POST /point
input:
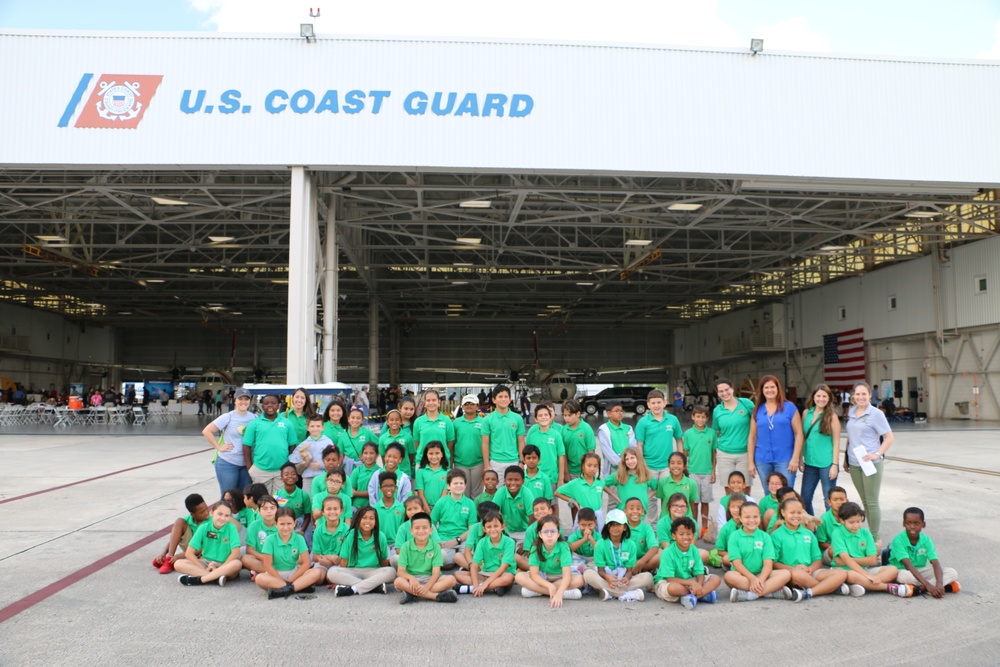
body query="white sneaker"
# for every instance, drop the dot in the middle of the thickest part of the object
(633, 596)
(857, 590)
(573, 594)
(845, 589)
(607, 596)
(528, 593)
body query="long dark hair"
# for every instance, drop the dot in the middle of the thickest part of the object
(337, 400)
(828, 412)
(539, 547)
(376, 532)
(444, 455)
(308, 410)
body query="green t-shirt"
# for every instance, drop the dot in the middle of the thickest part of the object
(427, 430)
(483, 498)
(270, 442)
(669, 487)
(404, 535)
(368, 555)
(552, 562)
(699, 443)
(333, 430)
(818, 448)
(491, 556)
(389, 519)
(360, 477)
(540, 485)
(794, 547)
(351, 445)
(345, 497)
(285, 554)
(475, 534)
(297, 500)
(750, 549)
(606, 554)
(503, 431)
(326, 543)
(453, 517)
(733, 426)
(631, 489)
(586, 549)
(919, 554)
(550, 444)
(468, 442)
(766, 503)
(663, 535)
(657, 437)
(586, 494)
(516, 510)
(402, 438)
(643, 536)
(677, 564)
(577, 442)
(420, 562)
(856, 545)
(828, 523)
(246, 516)
(216, 544)
(433, 483)
(621, 436)
(258, 532)
(728, 528)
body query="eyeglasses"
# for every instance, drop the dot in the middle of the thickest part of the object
(548, 532)
(679, 506)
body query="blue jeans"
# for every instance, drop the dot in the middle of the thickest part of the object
(765, 468)
(810, 478)
(231, 477)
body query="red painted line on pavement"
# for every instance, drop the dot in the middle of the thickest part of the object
(84, 481)
(31, 600)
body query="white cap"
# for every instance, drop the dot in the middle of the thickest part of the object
(470, 398)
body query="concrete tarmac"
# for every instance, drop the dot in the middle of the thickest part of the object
(80, 600)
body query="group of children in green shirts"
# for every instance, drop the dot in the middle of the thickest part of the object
(360, 527)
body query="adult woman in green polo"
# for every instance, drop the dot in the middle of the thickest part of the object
(299, 414)
(731, 420)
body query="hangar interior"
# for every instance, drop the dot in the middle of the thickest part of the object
(190, 269)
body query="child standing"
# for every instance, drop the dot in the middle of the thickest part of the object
(701, 445)
(392, 459)
(294, 498)
(393, 433)
(214, 551)
(751, 553)
(681, 577)
(615, 436)
(492, 567)
(912, 550)
(308, 456)
(432, 475)
(454, 515)
(615, 558)
(390, 511)
(468, 453)
(632, 479)
(578, 437)
(549, 445)
(419, 572)
(364, 558)
(285, 556)
(677, 482)
(503, 434)
(854, 552)
(353, 440)
(549, 567)
(797, 550)
(539, 483)
(587, 490)
(490, 483)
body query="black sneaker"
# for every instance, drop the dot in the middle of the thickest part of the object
(447, 596)
(380, 589)
(344, 591)
(187, 580)
(406, 598)
(278, 593)
(308, 589)
(501, 591)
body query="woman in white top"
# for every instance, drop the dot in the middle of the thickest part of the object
(867, 427)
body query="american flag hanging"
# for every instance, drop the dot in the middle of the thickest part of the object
(844, 358)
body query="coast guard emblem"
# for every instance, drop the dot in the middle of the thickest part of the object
(116, 101)
(120, 102)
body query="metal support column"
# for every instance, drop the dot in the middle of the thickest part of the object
(373, 347)
(303, 240)
(331, 293)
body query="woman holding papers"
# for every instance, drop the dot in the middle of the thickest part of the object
(868, 439)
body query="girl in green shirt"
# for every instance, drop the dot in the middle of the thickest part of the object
(287, 568)
(549, 567)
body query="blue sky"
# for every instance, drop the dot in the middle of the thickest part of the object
(919, 28)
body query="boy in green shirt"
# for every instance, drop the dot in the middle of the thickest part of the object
(182, 532)
(390, 511)
(681, 576)
(490, 482)
(648, 554)
(537, 481)
(493, 559)
(214, 552)
(515, 501)
(419, 570)
(294, 498)
(578, 437)
(582, 541)
(454, 515)
(829, 521)
(503, 434)
(912, 550)
(701, 444)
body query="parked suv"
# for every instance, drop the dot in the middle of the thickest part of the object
(631, 398)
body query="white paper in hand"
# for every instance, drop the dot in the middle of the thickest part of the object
(867, 467)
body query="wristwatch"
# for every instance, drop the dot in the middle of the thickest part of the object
(458, 539)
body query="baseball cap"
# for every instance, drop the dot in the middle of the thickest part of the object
(470, 398)
(241, 393)
(616, 516)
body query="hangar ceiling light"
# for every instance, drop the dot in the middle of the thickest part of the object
(638, 242)
(476, 203)
(166, 201)
(221, 239)
(684, 207)
(470, 240)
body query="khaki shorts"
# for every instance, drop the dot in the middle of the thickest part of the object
(704, 483)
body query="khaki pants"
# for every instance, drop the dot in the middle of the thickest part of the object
(948, 574)
(499, 467)
(727, 463)
(474, 480)
(643, 580)
(270, 479)
(661, 589)
(365, 579)
(653, 514)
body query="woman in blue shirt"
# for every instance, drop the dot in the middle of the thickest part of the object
(775, 442)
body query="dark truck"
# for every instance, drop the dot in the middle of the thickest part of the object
(632, 399)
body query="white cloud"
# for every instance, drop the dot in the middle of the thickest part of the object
(992, 53)
(793, 34)
(671, 22)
